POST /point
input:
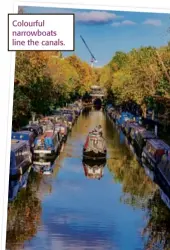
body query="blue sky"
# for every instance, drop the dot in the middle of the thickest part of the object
(109, 31)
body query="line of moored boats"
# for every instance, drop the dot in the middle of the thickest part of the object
(39, 142)
(152, 152)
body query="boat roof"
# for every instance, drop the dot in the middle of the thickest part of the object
(148, 134)
(46, 134)
(139, 128)
(16, 144)
(21, 135)
(159, 144)
(132, 124)
(30, 127)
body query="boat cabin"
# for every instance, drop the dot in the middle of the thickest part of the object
(153, 152)
(26, 136)
(129, 125)
(20, 158)
(36, 129)
(47, 144)
(135, 130)
(163, 173)
(142, 137)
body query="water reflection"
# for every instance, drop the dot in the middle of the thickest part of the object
(43, 166)
(123, 211)
(24, 215)
(93, 169)
(157, 228)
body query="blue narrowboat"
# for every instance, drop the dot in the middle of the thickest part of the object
(26, 136)
(46, 145)
(70, 114)
(121, 119)
(16, 185)
(20, 158)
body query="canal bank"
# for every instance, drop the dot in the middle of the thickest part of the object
(73, 212)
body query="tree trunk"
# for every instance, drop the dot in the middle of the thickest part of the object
(144, 109)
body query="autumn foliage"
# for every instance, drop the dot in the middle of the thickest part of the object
(45, 80)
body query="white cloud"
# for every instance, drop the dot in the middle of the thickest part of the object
(96, 16)
(125, 22)
(116, 24)
(128, 22)
(154, 22)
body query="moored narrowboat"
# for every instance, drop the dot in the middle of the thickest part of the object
(165, 198)
(62, 130)
(46, 145)
(130, 126)
(122, 118)
(140, 140)
(134, 132)
(17, 184)
(153, 152)
(163, 173)
(36, 129)
(26, 136)
(20, 159)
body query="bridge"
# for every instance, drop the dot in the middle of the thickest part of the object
(97, 94)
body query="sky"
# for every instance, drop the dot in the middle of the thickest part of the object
(106, 32)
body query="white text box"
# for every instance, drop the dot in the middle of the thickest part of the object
(41, 32)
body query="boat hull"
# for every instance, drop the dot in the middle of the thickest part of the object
(91, 155)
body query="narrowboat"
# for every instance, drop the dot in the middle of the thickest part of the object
(163, 173)
(140, 140)
(20, 158)
(152, 154)
(134, 132)
(71, 113)
(70, 120)
(94, 170)
(95, 147)
(17, 184)
(121, 119)
(46, 124)
(46, 145)
(62, 130)
(26, 136)
(36, 129)
(165, 198)
(128, 126)
(75, 109)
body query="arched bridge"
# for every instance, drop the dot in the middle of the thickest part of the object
(97, 94)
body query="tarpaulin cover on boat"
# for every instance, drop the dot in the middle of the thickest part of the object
(95, 143)
(48, 142)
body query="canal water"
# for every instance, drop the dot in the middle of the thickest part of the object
(68, 211)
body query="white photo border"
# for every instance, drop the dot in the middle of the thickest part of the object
(7, 62)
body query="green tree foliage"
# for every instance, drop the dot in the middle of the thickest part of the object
(138, 75)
